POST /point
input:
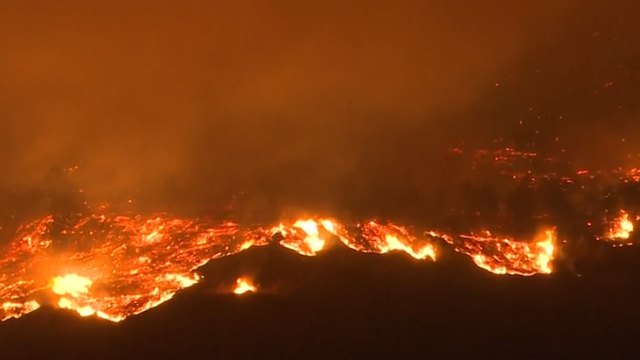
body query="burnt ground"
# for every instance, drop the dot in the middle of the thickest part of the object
(344, 304)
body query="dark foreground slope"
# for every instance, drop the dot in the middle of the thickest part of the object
(344, 304)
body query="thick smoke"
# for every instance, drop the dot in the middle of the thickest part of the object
(323, 97)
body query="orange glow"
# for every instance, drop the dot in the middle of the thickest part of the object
(621, 228)
(121, 266)
(305, 236)
(242, 286)
(377, 238)
(73, 285)
(114, 266)
(509, 256)
(15, 310)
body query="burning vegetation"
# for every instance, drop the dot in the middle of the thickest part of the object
(243, 286)
(114, 264)
(621, 228)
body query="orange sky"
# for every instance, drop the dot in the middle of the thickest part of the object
(145, 92)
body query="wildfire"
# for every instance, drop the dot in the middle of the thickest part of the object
(242, 286)
(15, 310)
(121, 265)
(113, 266)
(621, 228)
(73, 285)
(381, 239)
(508, 256)
(304, 236)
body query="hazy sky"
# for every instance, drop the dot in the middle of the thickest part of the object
(203, 93)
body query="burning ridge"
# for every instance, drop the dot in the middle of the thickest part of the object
(115, 266)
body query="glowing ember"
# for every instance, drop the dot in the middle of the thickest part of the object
(381, 239)
(242, 286)
(508, 256)
(15, 310)
(621, 228)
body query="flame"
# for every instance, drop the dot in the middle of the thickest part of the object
(242, 286)
(73, 290)
(15, 310)
(509, 256)
(622, 227)
(114, 266)
(73, 285)
(304, 236)
(121, 265)
(381, 239)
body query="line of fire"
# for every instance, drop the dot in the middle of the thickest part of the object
(115, 264)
